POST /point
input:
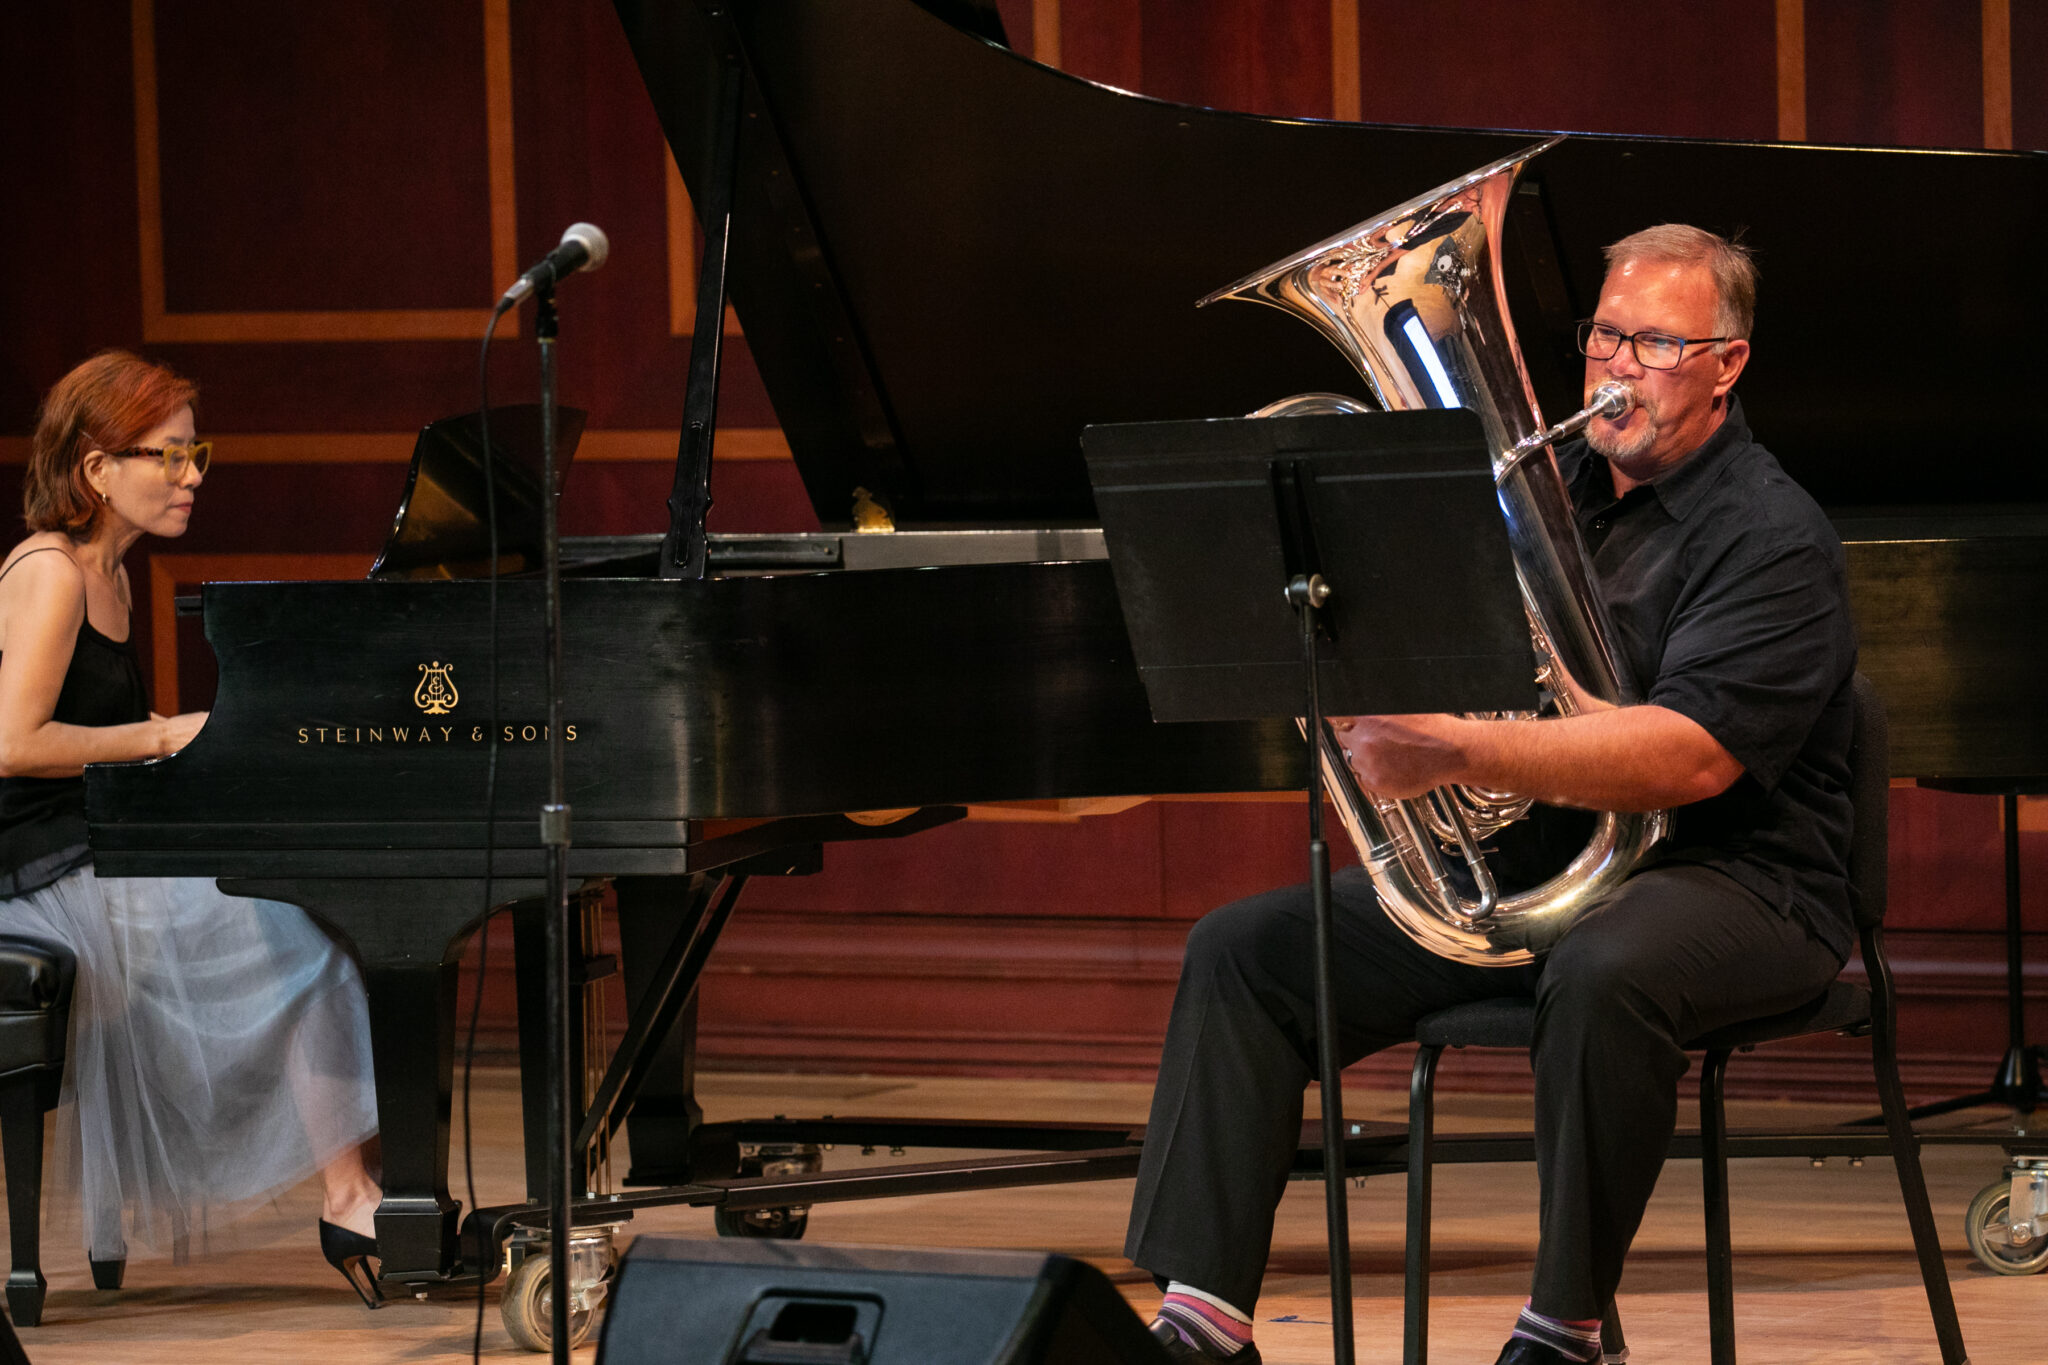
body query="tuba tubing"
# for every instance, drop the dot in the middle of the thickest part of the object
(1414, 299)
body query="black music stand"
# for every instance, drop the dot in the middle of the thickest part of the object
(1282, 566)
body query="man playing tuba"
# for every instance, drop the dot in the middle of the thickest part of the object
(1724, 583)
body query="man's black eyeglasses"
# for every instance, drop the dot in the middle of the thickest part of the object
(1654, 350)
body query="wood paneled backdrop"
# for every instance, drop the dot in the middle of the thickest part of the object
(309, 208)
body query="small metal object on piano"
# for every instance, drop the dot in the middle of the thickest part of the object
(870, 513)
(875, 819)
(769, 552)
(760, 553)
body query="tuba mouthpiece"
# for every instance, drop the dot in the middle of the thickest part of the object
(1613, 400)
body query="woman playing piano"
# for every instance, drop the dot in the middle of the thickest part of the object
(220, 1046)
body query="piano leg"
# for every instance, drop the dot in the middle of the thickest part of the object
(416, 1221)
(408, 935)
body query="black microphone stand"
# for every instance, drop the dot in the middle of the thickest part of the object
(554, 836)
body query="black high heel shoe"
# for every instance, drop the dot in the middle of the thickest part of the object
(350, 1252)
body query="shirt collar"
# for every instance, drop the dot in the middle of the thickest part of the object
(1681, 488)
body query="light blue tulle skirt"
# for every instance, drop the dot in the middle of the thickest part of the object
(219, 1054)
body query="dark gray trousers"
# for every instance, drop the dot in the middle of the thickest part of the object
(1677, 951)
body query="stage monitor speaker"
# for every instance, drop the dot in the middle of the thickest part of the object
(741, 1302)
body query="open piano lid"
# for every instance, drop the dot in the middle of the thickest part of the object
(949, 260)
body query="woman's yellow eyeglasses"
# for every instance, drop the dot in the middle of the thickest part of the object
(174, 457)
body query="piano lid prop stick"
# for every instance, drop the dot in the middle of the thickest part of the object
(689, 500)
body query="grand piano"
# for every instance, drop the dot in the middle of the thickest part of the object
(948, 260)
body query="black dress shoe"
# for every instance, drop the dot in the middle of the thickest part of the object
(1522, 1351)
(1180, 1353)
(351, 1254)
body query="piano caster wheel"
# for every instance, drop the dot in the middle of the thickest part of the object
(785, 1224)
(1994, 1240)
(528, 1303)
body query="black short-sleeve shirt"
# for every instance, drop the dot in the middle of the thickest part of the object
(1726, 588)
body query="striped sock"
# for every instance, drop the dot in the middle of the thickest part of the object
(1573, 1340)
(1205, 1322)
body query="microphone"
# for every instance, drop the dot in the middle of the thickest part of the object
(584, 247)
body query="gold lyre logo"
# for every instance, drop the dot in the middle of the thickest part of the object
(436, 694)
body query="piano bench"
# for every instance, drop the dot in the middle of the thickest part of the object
(35, 1012)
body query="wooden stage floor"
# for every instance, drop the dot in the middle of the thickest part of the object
(1824, 1268)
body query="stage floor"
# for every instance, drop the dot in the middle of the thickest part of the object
(1824, 1267)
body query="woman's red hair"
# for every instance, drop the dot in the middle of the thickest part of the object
(108, 403)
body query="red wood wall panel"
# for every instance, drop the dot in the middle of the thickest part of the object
(1608, 66)
(67, 133)
(1104, 41)
(590, 149)
(1262, 56)
(1019, 25)
(587, 146)
(2029, 74)
(1948, 864)
(392, 212)
(1901, 72)
(1168, 861)
(751, 495)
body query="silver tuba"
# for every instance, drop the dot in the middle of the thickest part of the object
(1414, 300)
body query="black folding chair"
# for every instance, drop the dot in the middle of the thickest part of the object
(1510, 1022)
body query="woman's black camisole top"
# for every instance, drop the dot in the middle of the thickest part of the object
(42, 819)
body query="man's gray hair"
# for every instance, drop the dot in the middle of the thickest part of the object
(1729, 262)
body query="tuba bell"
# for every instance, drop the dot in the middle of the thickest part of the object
(1415, 301)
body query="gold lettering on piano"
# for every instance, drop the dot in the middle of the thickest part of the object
(530, 734)
(436, 694)
(388, 735)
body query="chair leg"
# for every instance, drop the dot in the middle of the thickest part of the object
(1613, 1345)
(1714, 1178)
(1913, 1190)
(1421, 1140)
(21, 1148)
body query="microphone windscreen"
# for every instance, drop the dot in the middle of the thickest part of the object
(593, 241)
